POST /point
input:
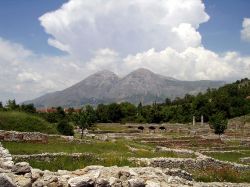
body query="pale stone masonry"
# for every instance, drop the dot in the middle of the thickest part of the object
(23, 175)
(23, 136)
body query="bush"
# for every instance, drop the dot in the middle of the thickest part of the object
(65, 128)
(218, 123)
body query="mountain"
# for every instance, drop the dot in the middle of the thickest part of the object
(141, 85)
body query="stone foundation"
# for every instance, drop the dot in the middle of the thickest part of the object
(23, 175)
(201, 162)
(48, 157)
(23, 136)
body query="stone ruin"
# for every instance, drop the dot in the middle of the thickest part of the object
(23, 136)
(23, 175)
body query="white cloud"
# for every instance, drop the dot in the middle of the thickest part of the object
(127, 26)
(245, 32)
(187, 36)
(192, 64)
(120, 36)
(26, 75)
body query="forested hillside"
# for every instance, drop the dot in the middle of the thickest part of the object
(232, 100)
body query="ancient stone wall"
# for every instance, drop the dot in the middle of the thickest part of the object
(23, 175)
(23, 136)
(201, 162)
(48, 157)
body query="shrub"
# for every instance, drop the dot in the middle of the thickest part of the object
(218, 123)
(65, 128)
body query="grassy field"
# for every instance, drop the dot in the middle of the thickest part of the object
(23, 122)
(221, 175)
(230, 156)
(103, 153)
(111, 127)
(71, 164)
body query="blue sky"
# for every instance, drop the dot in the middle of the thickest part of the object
(222, 32)
(19, 23)
(49, 45)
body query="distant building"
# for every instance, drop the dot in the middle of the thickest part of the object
(74, 110)
(46, 110)
(53, 110)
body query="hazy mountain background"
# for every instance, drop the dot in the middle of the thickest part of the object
(141, 85)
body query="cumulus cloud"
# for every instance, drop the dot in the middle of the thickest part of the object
(25, 75)
(245, 32)
(127, 26)
(121, 36)
(191, 64)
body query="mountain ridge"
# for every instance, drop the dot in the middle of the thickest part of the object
(141, 85)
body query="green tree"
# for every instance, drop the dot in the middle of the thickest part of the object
(114, 112)
(80, 119)
(11, 105)
(85, 119)
(218, 122)
(139, 109)
(167, 101)
(102, 113)
(29, 108)
(129, 112)
(65, 128)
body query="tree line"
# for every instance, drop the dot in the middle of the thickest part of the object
(226, 102)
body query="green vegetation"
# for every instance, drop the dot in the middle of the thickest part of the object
(65, 128)
(231, 100)
(230, 156)
(20, 121)
(101, 153)
(218, 123)
(221, 175)
(71, 164)
(119, 148)
(85, 119)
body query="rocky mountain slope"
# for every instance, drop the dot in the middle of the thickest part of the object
(141, 85)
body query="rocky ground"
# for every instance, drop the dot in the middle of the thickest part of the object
(23, 175)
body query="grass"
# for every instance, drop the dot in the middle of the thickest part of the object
(118, 148)
(20, 121)
(103, 153)
(114, 128)
(71, 164)
(230, 156)
(221, 175)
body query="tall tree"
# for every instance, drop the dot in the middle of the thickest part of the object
(218, 122)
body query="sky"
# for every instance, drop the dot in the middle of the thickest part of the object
(47, 45)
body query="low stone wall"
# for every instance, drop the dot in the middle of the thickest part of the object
(180, 152)
(22, 174)
(189, 164)
(48, 157)
(245, 160)
(23, 136)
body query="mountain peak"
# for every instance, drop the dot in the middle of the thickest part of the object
(143, 71)
(106, 87)
(104, 72)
